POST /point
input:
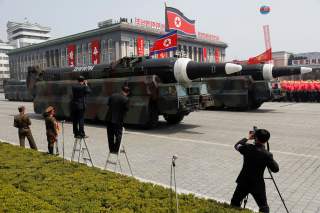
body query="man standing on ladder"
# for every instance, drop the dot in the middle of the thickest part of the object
(118, 105)
(256, 159)
(78, 106)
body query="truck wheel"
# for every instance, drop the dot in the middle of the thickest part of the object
(255, 105)
(173, 119)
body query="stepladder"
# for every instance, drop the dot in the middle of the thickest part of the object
(113, 158)
(80, 150)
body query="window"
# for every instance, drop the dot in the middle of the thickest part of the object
(146, 44)
(190, 52)
(57, 58)
(84, 54)
(63, 57)
(103, 44)
(79, 57)
(47, 59)
(89, 53)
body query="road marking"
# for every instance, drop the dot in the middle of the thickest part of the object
(215, 144)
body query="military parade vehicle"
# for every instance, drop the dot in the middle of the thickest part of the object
(16, 90)
(158, 87)
(249, 88)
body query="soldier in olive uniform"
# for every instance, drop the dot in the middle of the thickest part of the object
(51, 128)
(22, 122)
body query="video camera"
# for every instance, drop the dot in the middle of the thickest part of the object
(253, 131)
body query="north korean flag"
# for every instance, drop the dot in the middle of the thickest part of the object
(175, 20)
(165, 43)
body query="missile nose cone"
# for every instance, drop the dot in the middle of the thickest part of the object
(232, 68)
(304, 70)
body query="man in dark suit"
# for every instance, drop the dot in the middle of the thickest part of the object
(78, 106)
(117, 108)
(256, 159)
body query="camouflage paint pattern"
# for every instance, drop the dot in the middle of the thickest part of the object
(153, 84)
(15, 90)
(147, 94)
(238, 92)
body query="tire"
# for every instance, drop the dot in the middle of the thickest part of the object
(173, 119)
(254, 106)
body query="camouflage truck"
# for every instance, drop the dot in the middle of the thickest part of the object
(158, 87)
(16, 90)
(249, 88)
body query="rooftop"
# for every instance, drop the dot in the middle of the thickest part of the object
(122, 26)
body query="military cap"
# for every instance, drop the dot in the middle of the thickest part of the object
(81, 78)
(20, 108)
(49, 109)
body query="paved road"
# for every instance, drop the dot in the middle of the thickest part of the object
(207, 163)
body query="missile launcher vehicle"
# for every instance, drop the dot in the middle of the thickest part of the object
(16, 90)
(159, 87)
(249, 88)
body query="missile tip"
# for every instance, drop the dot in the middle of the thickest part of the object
(232, 68)
(304, 70)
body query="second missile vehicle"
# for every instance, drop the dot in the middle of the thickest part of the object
(16, 90)
(158, 87)
(249, 88)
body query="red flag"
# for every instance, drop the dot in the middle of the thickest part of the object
(162, 55)
(95, 52)
(175, 20)
(204, 50)
(217, 55)
(262, 58)
(165, 43)
(140, 46)
(71, 49)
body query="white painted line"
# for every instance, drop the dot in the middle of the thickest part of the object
(215, 144)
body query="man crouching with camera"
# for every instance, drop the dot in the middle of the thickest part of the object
(256, 159)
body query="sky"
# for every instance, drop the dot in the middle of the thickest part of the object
(294, 24)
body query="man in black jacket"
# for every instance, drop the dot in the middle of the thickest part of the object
(256, 159)
(117, 108)
(78, 106)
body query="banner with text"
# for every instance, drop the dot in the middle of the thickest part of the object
(140, 46)
(95, 52)
(204, 50)
(217, 55)
(71, 49)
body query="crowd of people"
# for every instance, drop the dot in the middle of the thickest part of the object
(301, 91)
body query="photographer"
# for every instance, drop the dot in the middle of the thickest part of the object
(256, 159)
(78, 106)
(118, 105)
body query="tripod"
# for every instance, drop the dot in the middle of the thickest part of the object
(62, 125)
(275, 184)
(173, 177)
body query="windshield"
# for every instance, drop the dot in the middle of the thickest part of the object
(181, 90)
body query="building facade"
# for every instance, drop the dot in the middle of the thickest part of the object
(308, 59)
(4, 62)
(24, 34)
(108, 43)
(281, 58)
